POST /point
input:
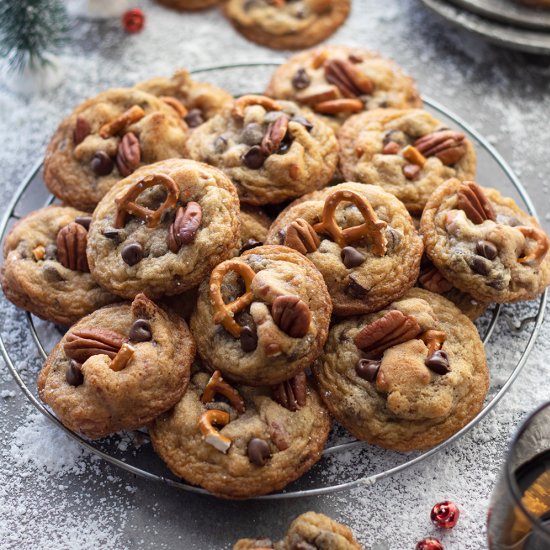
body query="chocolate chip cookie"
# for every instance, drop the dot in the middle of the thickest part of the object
(254, 227)
(338, 81)
(45, 267)
(196, 102)
(105, 139)
(189, 5)
(406, 377)
(118, 368)
(239, 442)
(163, 228)
(308, 531)
(262, 317)
(484, 244)
(362, 240)
(287, 24)
(271, 150)
(406, 151)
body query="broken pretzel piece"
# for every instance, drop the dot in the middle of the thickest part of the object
(210, 434)
(217, 384)
(118, 124)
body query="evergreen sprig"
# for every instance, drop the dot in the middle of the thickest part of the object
(29, 29)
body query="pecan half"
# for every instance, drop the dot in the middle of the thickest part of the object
(433, 280)
(291, 315)
(81, 344)
(276, 132)
(71, 247)
(291, 394)
(302, 237)
(118, 124)
(475, 204)
(317, 94)
(347, 78)
(390, 330)
(447, 145)
(128, 155)
(184, 229)
(337, 106)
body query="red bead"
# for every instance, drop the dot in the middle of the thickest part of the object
(429, 544)
(133, 20)
(445, 514)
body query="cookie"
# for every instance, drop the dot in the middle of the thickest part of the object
(271, 150)
(408, 152)
(407, 377)
(287, 25)
(162, 229)
(189, 5)
(308, 531)
(105, 139)
(360, 238)
(240, 442)
(196, 102)
(339, 81)
(484, 244)
(271, 328)
(254, 227)
(45, 268)
(118, 368)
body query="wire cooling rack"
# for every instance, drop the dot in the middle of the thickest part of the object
(346, 463)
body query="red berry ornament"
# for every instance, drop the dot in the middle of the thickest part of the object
(429, 544)
(133, 20)
(445, 514)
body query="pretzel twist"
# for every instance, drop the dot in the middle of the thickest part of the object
(217, 384)
(246, 100)
(211, 435)
(372, 228)
(542, 244)
(127, 205)
(224, 313)
(434, 339)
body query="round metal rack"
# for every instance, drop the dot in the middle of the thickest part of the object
(346, 463)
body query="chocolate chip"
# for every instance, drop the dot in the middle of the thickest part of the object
(258, 451)
(486, 249)
(132, 253)
(50, 252)
(355, 58)
(194, 118)
(140, 331)
(249, 245)
(51, 274)
(254, 158)
(220, 144)
(301, 79)
(84, 221)
(73, 374)
(396, 136)
(355, 290)
(438, 362)
(113, 234)
(367, 369)
(81, 130)
(393, 238)
(249, 339)
(303, 121)
(285, 145)
(480, 265)
(351, 257)
(102, 164)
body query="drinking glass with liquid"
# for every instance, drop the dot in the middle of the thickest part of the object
(519, 512)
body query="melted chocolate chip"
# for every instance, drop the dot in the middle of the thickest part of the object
(351, 257)
(249, 339)
(258, 451)
(194, 118)
(73, 374)
(486, 249)
(140, 331)
(102, 164)
(254, 158)
(303, 121)
(132, 253)
(249, 245)
(480, 265)
(113, 234)
(355, 290)
(393, 238)
(301, 79)
(285, 145)
(220, 144)
(438, 362)
(51, 274)
(367, 369)
(84, 221)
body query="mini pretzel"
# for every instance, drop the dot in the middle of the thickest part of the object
(215, 385)
(246, 100)
(211, 435)
(542, 244)
(371, 228)
(224, 313)
(177, 105)
(122, 358)
(127, 205)
(118, 124)
(434, 339)
(414, 156)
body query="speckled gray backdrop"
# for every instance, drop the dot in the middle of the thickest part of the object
(54, 496)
